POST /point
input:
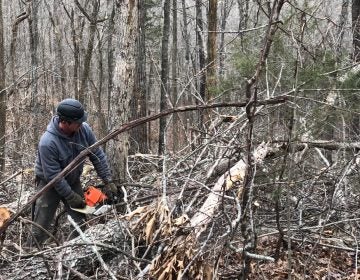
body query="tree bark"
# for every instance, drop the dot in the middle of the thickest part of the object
(176, 137)
(89, 50)
(211, 77)
(138, 102)
(200, 50)
(34, 42)
(2, 96)
(164, 75)
(243, 6)
(123, 84)
(341, 28)
(356, 29)
(58, 67)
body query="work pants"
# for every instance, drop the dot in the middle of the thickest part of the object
(45, 209)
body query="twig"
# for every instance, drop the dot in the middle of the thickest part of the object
(12, 176)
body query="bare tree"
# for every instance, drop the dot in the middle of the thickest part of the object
(225, 10)
(356, 29)
(164, 74)
(174, 79)
(342, 22)
(211, 73)
(355, 121)
(139, 101)
(2, 96)
(59, 68)
(243, 6)
(200, 49)
(123, 83)
(34, 44)
(93, 20)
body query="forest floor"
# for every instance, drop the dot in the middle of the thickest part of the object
(314, 253)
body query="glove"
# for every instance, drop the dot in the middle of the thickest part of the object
(75, 200)
(110, 190)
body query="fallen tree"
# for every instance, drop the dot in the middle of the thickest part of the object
(181, 255)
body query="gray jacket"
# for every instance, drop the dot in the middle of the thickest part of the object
(56, 151)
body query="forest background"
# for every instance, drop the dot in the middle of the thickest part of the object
(283, 81)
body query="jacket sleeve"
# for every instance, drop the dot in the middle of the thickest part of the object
(98, 158)
(49, 157)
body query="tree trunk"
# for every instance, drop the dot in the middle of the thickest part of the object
(243, 13)
(151, 138)
(76, 55)
(189, 58)
(110, 62)
(164, 74)
(138, 101)
(123, 84)
(98, 97)
(174, 88)
(2, 96)
(34, 42)
(342, 22)
(355, 122)
(89, 49)
(200, 49)
(201, 60)
(356, 29)
(225, 10)
(211, 78)
(59, 67)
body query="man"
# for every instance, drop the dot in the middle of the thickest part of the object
(66, 136)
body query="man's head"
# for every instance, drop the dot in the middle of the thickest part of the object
(71, 114)
(71, 110)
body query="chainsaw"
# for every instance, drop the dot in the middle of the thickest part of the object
(97, 202)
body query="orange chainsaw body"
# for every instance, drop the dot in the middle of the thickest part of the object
(94, 196)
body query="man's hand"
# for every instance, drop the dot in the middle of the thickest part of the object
(75, 200)
(110, 190)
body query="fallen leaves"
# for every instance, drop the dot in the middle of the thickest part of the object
(4, 215)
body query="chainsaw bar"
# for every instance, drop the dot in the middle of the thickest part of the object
(92, 210)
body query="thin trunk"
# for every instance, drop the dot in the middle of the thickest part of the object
(138, 102)
(151, 139)
(243, 14)
(185, 31)
(13, 90)
(225, 10)
(2, 96)
(98, 97)
(110, 62)
(341, 27)
(164, 74)
(89, 49)
(200, 49)
(188, 57)
(211, 78)
(355, 122)
(76, 53)
(174, 88)
(356, 29)
(34, 42)
(59, 66)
